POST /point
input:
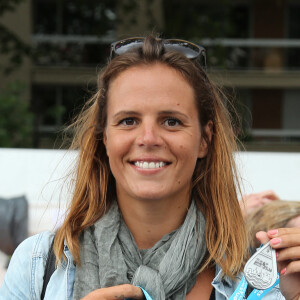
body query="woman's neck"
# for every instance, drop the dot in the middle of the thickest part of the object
(150, 220)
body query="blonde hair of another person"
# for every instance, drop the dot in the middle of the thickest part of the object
(276, 214)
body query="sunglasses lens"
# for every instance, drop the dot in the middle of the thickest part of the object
(187, 49)
(127, 45)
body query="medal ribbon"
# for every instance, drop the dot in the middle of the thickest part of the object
(147, 296)
(240, 291)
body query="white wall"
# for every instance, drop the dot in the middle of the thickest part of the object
(40, 174)
(278, 171)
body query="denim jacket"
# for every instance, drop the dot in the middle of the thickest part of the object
(24, 277)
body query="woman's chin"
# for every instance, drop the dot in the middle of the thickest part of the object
(149, 195)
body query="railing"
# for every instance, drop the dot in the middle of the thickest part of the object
(81, 39)
(292, 133)
(223, 53)
(253, 54)
(250, 43)
(91, 39)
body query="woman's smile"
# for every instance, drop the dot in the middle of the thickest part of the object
(149, 166)
(152, 136)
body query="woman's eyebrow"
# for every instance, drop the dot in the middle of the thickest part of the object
(172, 112)
(125, 113)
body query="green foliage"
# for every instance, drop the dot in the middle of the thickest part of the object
(11, 46)
(8, 5)
(16, 122)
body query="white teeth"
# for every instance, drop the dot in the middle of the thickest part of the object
(152, 165)
(149, 165)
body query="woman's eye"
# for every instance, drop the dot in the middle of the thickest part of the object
(171, 122)
(128, 122)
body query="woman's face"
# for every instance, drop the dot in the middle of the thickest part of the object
(152, 136)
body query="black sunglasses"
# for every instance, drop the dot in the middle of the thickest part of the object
(188, 49)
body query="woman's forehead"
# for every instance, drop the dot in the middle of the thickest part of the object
(147, 73)
(150, 83)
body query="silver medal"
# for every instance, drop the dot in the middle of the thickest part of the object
(261, 269)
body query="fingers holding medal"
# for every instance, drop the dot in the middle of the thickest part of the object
(286, 242)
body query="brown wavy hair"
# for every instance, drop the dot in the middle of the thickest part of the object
(214, 179)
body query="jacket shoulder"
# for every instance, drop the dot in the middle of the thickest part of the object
(24, 276)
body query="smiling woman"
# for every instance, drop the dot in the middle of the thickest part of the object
(155, 212)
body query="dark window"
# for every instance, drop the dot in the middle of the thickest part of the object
(86, 28)
(194, 21)
(76, 17)
(54, 107)
(191, 19)
(293, 54)
(71, 54)
(45, 16)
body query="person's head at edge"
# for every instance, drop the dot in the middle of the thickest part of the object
(276, 214)
(210, 176)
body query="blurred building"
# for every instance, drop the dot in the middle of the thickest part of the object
(253, 50)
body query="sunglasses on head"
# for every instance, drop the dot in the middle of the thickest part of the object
(188, 49)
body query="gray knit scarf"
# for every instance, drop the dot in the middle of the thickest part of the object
(110, 256)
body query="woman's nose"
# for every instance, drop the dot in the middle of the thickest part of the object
(149, 135)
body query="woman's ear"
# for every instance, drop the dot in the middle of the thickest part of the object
(208, 129)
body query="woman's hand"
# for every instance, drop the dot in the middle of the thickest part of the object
(116, 292)
(286, 241)
(251, 202)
